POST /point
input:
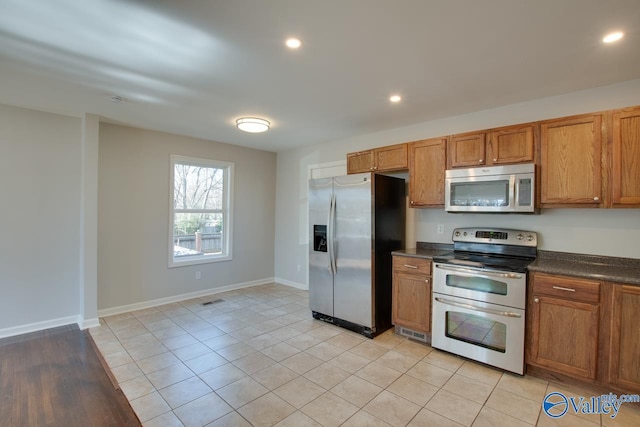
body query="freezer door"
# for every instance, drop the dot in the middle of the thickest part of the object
(320, 275)
(353, 300)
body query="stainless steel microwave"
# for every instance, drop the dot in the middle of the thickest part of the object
(497, 189)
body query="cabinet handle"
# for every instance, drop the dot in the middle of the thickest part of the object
(596, 199)
(536, 300)
(410, 266)
(480, 161)
(412, 202)
(495, 160)
(560, 288)
(426, 280)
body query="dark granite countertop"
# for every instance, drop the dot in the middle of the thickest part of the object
(425, 250)
(611, 269)
(596, 267)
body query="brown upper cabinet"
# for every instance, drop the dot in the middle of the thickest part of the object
(427, 163)
(508, 145)
(570, 164)
(591, 160)
(625, 154)
(384, 159)
(467, 150)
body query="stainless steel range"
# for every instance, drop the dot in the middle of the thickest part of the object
(479, 295)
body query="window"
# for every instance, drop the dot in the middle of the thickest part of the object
(200, 212)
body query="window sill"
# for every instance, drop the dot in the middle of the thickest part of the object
(197, 261)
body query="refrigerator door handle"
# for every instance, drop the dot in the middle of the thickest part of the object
(330, 235)
(329, 246)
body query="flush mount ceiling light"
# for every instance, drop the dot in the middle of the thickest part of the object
(612, 37)
(293, 43)
(252, 124)
(395, 98)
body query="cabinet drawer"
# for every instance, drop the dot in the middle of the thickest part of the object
(567, 287)
(412, 265)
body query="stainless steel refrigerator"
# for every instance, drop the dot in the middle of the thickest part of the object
(355, 221)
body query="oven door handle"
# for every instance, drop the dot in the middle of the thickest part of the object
(476, 308)
(479, 272)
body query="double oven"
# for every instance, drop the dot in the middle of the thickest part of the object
(479, 296)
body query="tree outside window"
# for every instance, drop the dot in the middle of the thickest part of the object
(200, 211)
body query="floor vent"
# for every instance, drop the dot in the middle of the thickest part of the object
(420, 336)
(213, 302)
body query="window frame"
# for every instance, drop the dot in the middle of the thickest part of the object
(227, 210)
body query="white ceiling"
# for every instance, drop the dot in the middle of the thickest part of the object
(193, 67)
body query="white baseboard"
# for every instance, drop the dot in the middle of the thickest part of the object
(168, 300)
(91, 323)
(291, 283)
(37, 326)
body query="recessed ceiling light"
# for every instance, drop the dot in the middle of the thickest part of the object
(612, 37)
(395, 98)
(293, 43)
(252, 124)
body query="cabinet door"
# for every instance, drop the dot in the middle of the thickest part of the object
(362, 161)
(393, 157)
(411, 301)
(427, 164)
(625, 338)
(571, 161)
(511, 145)
(467, 150)
(564, 336)
(626, 158)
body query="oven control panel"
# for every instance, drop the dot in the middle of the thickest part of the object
(496, 236)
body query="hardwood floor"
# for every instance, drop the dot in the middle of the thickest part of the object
(54, 378)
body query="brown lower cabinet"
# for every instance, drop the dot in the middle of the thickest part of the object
(411, 298)
(565, 323)
(625, 338)
(584, 330)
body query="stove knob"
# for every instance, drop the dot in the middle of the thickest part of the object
(457, 234)
(529, 237)
(464, 234)
(519, 237)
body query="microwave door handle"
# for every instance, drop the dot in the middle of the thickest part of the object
(513, 192)
(516, 193)
(479, 273)
(476, 308)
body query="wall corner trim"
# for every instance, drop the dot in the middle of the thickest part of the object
(291, 283)
(88, 323)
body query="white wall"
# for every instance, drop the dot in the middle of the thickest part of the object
(133, 217)
(592, 231)
(40, 217)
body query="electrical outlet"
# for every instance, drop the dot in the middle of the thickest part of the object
(440, 228)
(198, 275)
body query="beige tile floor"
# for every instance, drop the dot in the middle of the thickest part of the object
(258, 358)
